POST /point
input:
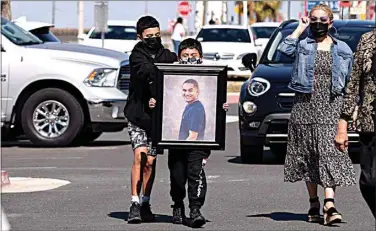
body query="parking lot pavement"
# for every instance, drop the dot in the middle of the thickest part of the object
(240, 197)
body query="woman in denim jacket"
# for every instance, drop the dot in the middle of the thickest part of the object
(321, 70)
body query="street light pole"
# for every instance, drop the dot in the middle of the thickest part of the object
(245, 13)
(53, 12)
(81, 17)
(288, 9)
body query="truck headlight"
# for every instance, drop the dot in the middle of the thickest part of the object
(249, 107)
(258, 86)
(102, 77)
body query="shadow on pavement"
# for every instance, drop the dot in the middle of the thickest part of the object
(159, 218)
(286, 216)
(282, 216)
(28, 144)
(269, 161)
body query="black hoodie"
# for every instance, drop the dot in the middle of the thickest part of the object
(143, 75)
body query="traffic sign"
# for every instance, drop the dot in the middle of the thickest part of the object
(334, 5)
(311, 4)
(101, 15)
(184, 8)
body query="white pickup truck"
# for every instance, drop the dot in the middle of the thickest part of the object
(60, 94)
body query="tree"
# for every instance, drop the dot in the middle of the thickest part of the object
(6, 9)
(258, 11)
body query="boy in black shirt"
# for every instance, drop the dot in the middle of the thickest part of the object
(143, 73)
(188, 165)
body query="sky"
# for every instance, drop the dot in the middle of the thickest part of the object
(66, 11)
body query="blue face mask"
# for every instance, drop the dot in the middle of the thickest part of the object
(190, 61)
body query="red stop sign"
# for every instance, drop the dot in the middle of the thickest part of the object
(184, 8)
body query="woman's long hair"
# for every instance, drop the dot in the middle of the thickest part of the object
(179, 20)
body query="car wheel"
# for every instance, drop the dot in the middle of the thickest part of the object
(251, 154)
(86, 137)
(279, 150)
(52, 117)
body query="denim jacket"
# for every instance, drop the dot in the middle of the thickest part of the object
(305, 50)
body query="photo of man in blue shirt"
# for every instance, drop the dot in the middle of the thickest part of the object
(192, 126)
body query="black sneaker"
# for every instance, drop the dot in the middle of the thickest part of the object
(178, 213)
(197, 220)
(146, 214)
(134, 216)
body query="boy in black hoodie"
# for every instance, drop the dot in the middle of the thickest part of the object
(143, 73)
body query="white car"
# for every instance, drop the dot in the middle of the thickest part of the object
(226, 45)
(121, 36)
(40, 29)
(262, 32)
(59, 94)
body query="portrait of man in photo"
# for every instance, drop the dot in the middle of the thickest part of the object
(193, 121)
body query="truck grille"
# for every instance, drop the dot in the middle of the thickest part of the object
(218, 56)
(124, 79)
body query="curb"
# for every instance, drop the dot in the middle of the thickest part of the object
(4, 178)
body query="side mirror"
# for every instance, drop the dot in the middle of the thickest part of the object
(82, 36)
(250, 60)
(258, 43)
(2, 48)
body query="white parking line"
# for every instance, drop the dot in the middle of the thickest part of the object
(15, 168)
(44, 157)
(231, 119)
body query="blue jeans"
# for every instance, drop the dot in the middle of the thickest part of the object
(176, 46)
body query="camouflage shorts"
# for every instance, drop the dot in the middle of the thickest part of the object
(139, 138)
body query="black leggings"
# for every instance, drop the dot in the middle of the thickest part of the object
(187, 165)
(367, 165)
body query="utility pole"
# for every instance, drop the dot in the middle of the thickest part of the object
(204, 19)
(288, 9)
(245, 13)
(53, 12)
(146, 7)
(81, 18)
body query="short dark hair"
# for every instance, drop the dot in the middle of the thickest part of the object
(146, 22)
(179, 20)
(192, 81)
(190, 43)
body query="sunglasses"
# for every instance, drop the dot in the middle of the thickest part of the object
(322, 19)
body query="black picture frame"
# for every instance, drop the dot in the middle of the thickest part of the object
(220, 72)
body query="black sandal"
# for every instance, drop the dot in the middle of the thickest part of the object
(331, 216)
(314, 212)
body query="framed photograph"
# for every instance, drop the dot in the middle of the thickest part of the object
(189, 110)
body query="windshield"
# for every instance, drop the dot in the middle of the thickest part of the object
(263, 32)
(224, 35)
(16, 34)
(350, 35)
(117, 32)
(45, 35)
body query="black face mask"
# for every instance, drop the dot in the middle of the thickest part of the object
(319, 29)
(153, 43)
(190, 61)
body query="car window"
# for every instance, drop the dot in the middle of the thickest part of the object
(16, 34)
(263, 32)
(45, 34)
(350, 35)
(117, 32)
(224, 35)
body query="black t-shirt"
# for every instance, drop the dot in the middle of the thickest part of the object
(193, 119)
